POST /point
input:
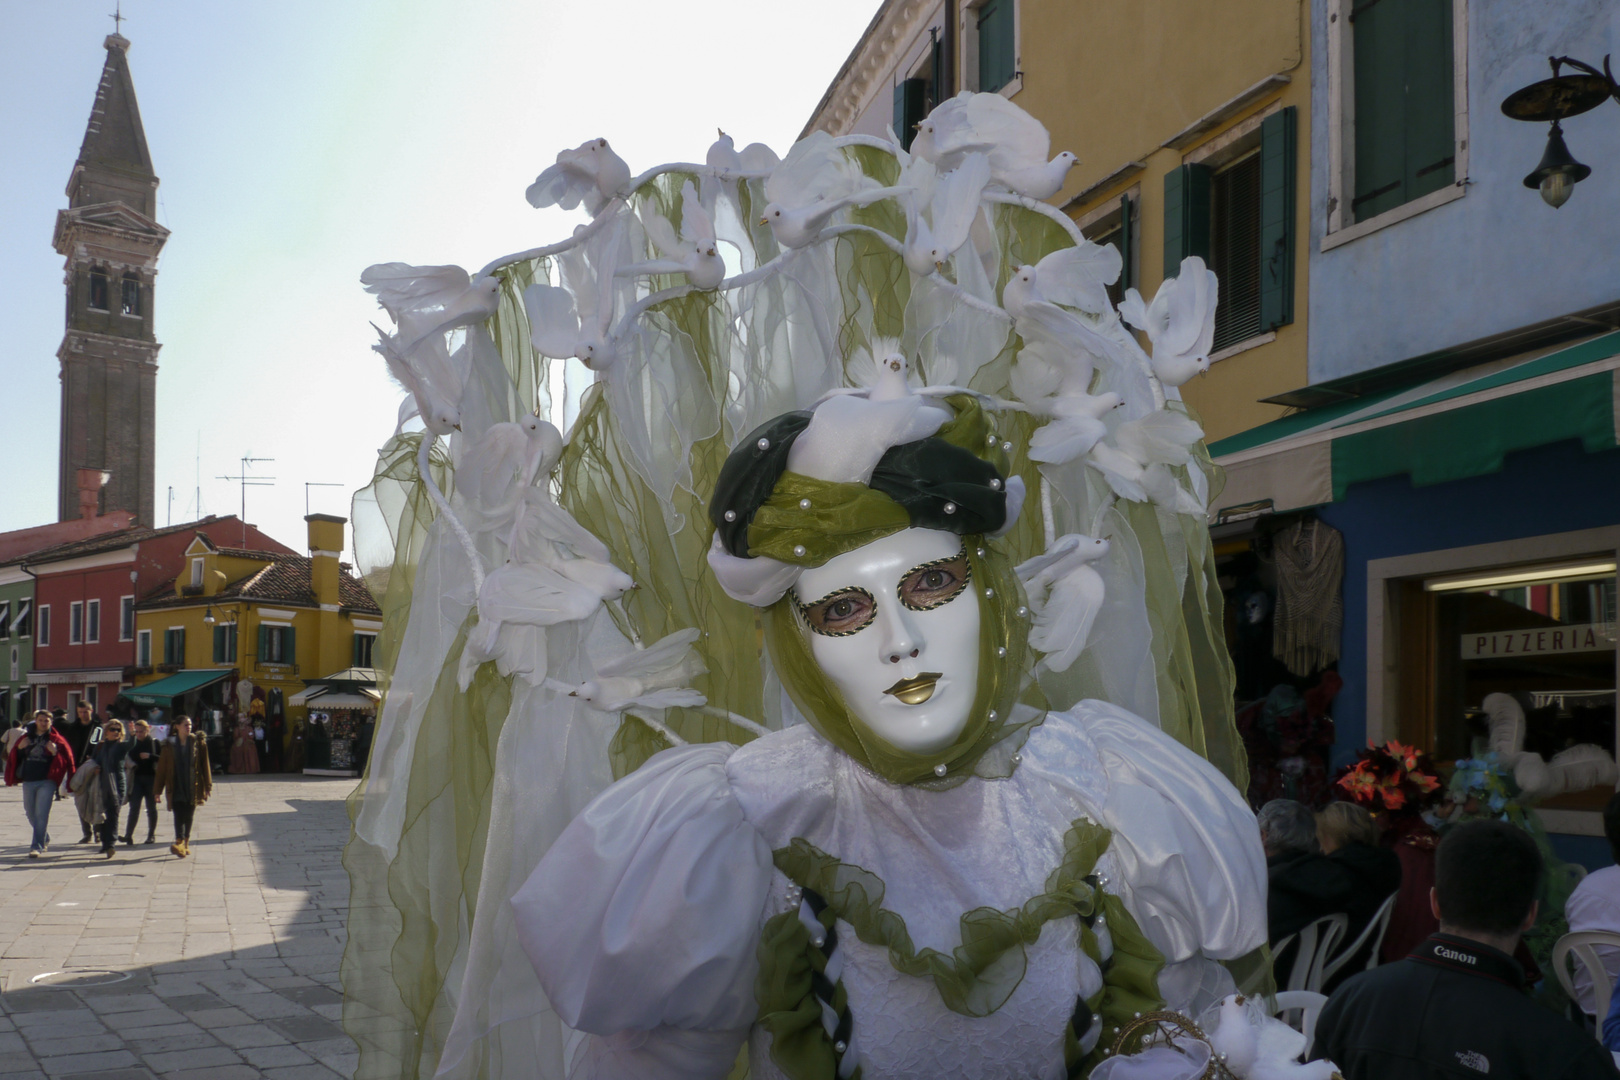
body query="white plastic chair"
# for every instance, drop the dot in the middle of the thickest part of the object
(1373, 931)
(1316, 942)
(1584, 944)
(1309, 1004)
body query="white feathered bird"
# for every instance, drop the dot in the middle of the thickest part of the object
(1065, 594)
(577, 321)
(427, 300)
(1014, 141)
(815, 181)
(1180, 322)
(431, 375)
(1076, 426)
(1136, 461)
(519, 601)
(940, 210)
(695, 253)
(590, 173)
(652, 678)
(1076, 276)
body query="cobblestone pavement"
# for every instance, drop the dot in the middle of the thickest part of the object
(227, 962)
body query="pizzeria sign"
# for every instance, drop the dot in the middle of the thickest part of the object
(1581, 638)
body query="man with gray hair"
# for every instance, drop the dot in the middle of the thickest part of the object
(1304, 884)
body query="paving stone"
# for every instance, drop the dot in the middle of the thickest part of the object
(76, 1064)
(57, 1046)
(207, 1057)
(302, 1072)
(250, 1035)
(228, 1072)
(267, 1057)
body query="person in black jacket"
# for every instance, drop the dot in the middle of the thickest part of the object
(1304, 884)
(1349, 837)
(77, 732)
(109, 755)
(1457, 1007)
(143, 751)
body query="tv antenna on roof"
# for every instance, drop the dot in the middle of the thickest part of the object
(248, 480)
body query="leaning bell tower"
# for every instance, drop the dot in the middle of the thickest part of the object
(110, 239)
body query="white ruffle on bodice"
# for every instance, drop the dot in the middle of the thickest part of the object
(643, 919)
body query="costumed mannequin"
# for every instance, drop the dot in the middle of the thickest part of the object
(714, 739)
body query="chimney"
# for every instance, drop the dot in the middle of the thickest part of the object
(91, 481)
(325, 548)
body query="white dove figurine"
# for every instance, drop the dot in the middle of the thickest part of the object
(1180, 322)
(1015, 142)
(1065, 595)
(1076, 277)
(426, 300)
(1235, 1039)
(590, 173)
(815, 181)
(650, 678)
(695, 253)
(518, 601)
(431, 376)
(941, 210)
(1076, 426)
(576, 321)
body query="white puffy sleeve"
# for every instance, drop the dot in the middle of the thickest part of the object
(643, 918)
(1185, 843)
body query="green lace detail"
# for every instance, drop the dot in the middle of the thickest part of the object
(974, 979)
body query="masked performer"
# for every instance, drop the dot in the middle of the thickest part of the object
(934, 876)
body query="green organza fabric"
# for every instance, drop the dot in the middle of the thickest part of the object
(995, 719)
(975, 979)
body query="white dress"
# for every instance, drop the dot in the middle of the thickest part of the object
(643, 920)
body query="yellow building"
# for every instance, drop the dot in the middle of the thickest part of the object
(1191, 122)
(239, 624)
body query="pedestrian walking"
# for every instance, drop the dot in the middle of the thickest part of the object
(143, 759)
(109, 756)
(39, 761)
(78, 731)
(9, 739)
(184, 779)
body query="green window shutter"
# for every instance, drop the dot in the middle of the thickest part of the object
(264, 643)
(230, 645)
(354, 651)
(1403, 102)
(1278, 155)
(1127, 249)
(219, 644)
(997, 53)
(910, 96)
(1430, 140)
(289, 646)
(1186, 216)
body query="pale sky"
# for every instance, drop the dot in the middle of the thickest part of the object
(298, 142)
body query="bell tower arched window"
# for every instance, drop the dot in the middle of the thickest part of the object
(98, 289)
(130, 300)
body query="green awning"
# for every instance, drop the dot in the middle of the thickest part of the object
(1461, 425)
(163, 692)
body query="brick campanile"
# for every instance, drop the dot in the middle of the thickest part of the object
(110, 239)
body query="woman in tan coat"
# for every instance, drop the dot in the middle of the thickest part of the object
(184, 780)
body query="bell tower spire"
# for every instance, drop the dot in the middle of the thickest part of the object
(110, 239)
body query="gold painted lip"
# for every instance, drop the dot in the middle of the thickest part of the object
(917, 689)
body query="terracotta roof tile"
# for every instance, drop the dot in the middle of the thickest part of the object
(285, 580)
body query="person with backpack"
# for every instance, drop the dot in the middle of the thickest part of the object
(39, 761)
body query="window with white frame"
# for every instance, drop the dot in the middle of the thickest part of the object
(90, 695)
(196, 573)
(1398, 108)
(143, 649)
(364, 645)
(92, 621)
(126, 618)
(990, 46)
(5, 618)
(42, 625)
(22, 621)
(76, 623)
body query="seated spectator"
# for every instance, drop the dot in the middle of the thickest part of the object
(1349, 837)
(1457, 1006)
(1304, 884)
(1595, 905)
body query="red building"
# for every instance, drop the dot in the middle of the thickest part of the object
(84, 604)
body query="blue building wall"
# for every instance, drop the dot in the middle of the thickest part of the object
(1498, 258)
(1551, 489)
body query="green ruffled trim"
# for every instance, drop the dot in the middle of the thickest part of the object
(975, 979)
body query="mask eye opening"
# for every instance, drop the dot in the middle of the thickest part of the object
(917, 591)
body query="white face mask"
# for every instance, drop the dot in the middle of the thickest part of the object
(895, 626)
